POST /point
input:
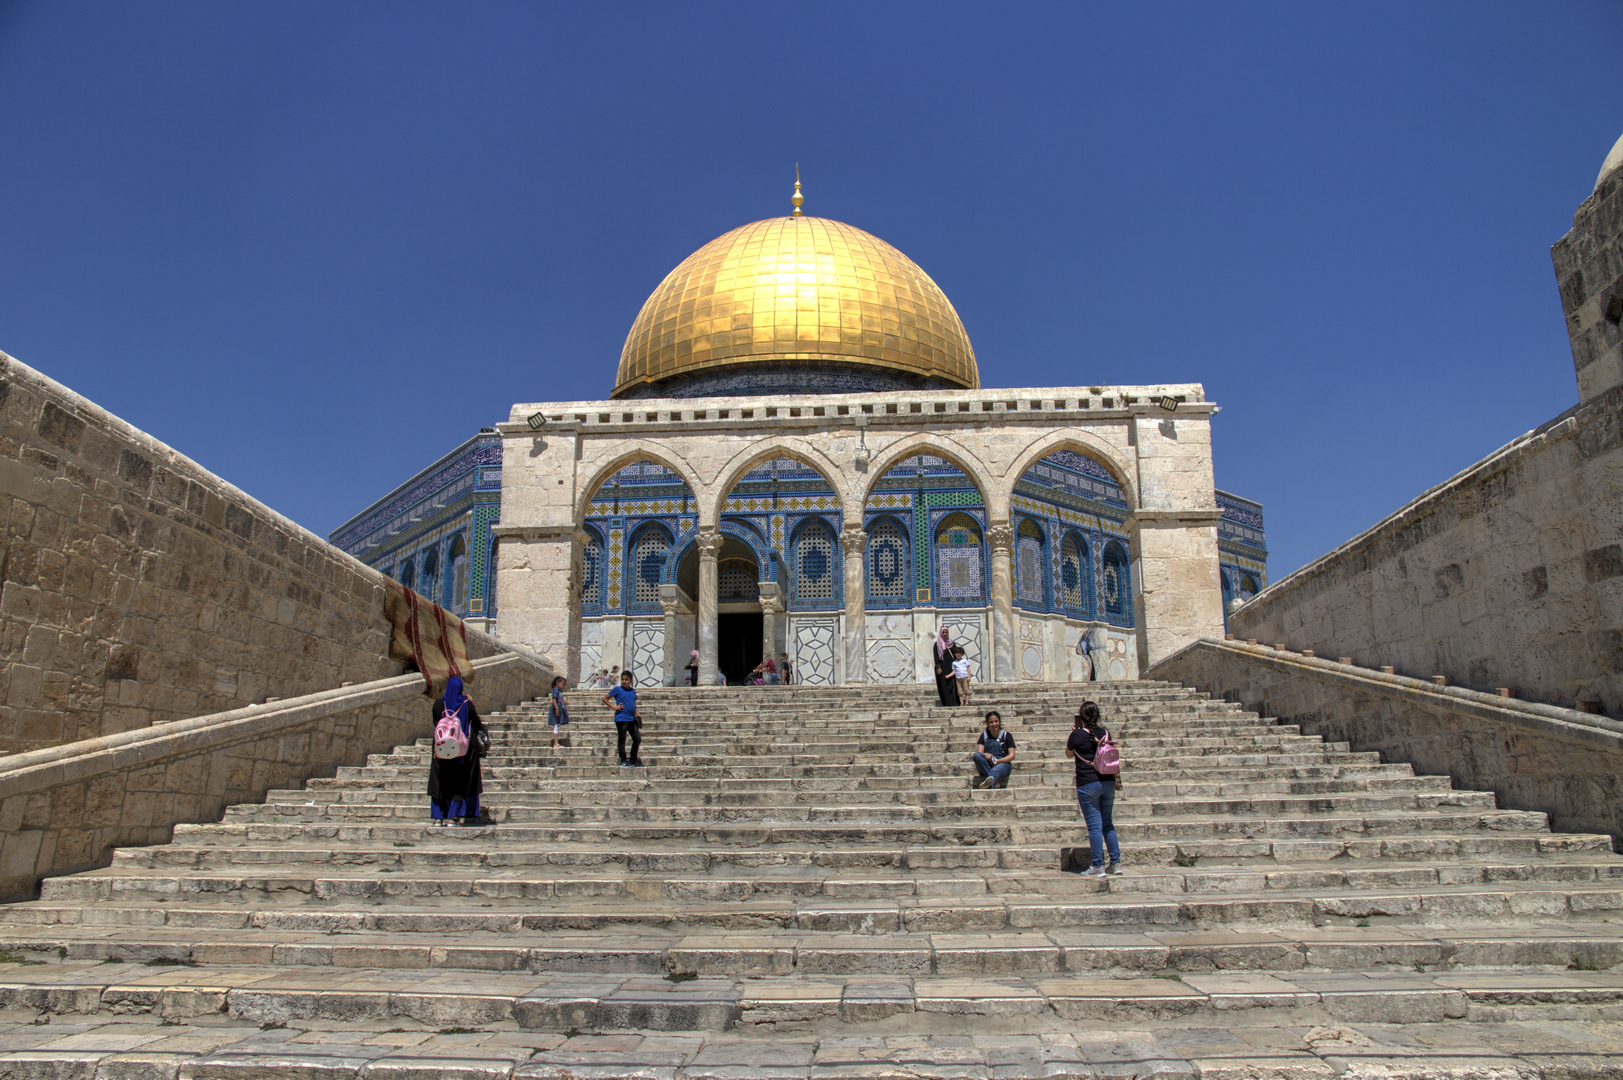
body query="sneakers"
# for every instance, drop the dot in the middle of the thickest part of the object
(1003, 783)
(1114, 868)
(1094, 871)
(624, 764)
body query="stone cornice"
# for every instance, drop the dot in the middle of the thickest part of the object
(933, 408)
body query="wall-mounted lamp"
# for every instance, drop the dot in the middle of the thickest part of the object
(1170, 404)
(536, 420)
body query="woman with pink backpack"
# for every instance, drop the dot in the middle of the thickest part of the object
(1098, 772)
(460, 739)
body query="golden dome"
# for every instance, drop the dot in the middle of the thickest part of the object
(801, 289)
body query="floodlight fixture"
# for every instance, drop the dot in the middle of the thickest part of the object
(1169, 403)
(536, 420)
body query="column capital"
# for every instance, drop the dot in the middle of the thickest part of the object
(853, 540)
(769, 605)
(1001, 537)
(709, 543)
(670, 607)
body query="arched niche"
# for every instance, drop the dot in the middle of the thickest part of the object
(919, 493)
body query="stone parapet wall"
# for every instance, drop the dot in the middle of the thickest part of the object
(138, 588)
(1509, 574)
(65, 808)
(1564, 763)
(1589, 270)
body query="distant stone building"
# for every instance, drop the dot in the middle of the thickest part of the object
(798, 457)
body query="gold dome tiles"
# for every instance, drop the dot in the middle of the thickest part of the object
(797, 289)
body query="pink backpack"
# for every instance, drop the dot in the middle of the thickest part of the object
(449, 741)
(1107, 759)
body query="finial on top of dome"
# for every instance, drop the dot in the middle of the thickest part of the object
(798, 198)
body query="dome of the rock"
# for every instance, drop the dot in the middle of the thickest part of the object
(795, 304)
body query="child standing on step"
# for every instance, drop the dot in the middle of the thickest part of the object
(627, 719)
(558, 709)
(960, 672)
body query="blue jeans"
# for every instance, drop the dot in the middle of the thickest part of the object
(984, 766)
(1097, 801)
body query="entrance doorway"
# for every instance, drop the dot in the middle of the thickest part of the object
(738, 645)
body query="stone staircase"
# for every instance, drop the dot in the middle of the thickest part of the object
(802, 883)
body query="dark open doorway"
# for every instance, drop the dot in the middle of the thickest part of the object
(738, 645)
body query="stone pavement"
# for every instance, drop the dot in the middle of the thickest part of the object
(802, 883)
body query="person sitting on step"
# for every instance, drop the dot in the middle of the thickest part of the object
(994, 759)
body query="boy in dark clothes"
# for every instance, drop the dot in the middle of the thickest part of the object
(627, 719)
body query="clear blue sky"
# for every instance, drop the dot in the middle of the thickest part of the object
(314, 246)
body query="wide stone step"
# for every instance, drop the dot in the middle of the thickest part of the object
(1022, 795)
(966, 812)
(655, 952)
(563, 1002)
(281, 885)
(1448, 819)
(214, 851)
(864, 1019)
(1225, 903)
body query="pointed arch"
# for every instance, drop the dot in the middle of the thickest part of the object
(648, 551)
(889, 563)
(959, 547)
(1031, 560)
(592, 585)
(746, 461)
(1075, 590)
(1116, 584)
(815, 567)
(936, 445)
(1077, 441)
(639, 452)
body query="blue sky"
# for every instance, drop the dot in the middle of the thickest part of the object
(314, 246)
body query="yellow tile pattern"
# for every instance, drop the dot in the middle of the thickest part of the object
(797, 289)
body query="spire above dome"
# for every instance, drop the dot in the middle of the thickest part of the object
(795, 304)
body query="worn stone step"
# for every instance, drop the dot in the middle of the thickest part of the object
(280, 884)
(434, 850)
(655, 952)
(607, 1003)
(1222, 903)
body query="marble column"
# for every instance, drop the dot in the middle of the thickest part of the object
(769, 627)
(709, 544)
(1000, 538)
(668, 602)
(854, 542)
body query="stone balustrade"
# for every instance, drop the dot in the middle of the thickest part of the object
(1533, 756)
(64, 808)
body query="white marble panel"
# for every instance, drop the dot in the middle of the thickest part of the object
(890, 647)
(814, 638)
(647, 651)
(591, 647)
(1029, 651)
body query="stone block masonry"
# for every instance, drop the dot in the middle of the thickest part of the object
(1589, 270)
(1506, 575)
(65, 808)
(138, 588)
(1564, 763)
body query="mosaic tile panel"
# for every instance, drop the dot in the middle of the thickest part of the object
(616, 562)
(887, 562)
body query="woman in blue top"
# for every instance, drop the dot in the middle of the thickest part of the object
(454, 784)
(558, 708)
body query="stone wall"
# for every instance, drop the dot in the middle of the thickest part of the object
(1509, 574)
(138, 588)
(1589, 269)
(1533, 757)
(64, 808)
